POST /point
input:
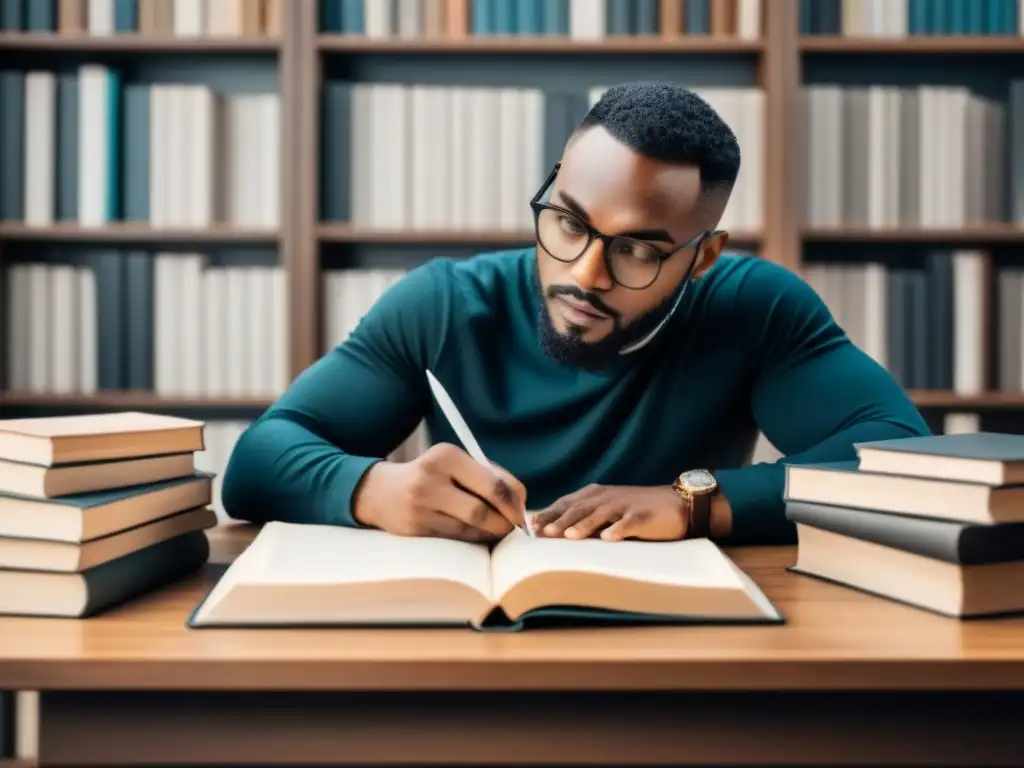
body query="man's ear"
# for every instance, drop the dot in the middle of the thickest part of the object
(710, 249)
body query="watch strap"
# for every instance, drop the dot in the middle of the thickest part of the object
(700, 516)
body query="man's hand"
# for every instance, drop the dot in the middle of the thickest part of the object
(651, 513)
(443, 493)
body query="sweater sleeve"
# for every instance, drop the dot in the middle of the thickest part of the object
(302, 459)
(815, 394)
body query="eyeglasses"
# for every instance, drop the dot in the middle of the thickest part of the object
(632, 263)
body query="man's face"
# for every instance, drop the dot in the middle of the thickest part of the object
(588, 316)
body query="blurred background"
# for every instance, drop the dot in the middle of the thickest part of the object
(200, 197)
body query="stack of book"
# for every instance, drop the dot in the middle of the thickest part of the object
(936, 522)
(98, 509)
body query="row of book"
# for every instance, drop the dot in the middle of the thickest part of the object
(77, 146)
(177, 324)
(902, 18)
(157, 18)
(924, 316)
(397, 156)
(577, 19)
(935, 522)
(928, 156)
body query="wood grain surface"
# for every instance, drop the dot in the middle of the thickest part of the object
(834, 639)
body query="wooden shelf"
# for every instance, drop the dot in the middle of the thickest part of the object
(120, 232)
(927, 398)
(979, 234)
(916, 44)
(346, 233)
(540, 45)
(127, 400)
(42, 42)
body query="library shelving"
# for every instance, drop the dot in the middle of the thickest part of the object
(317, 230)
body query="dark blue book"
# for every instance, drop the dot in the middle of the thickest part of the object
(138, 318)
(335, 151)
(40, 16)
(12, 145)
(135, 152)
(126, 16)
(86, 594)
(12, 16)
(67, 146)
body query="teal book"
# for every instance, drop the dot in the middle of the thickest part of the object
(314, 575)
(95, 590)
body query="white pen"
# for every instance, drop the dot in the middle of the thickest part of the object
(461, 428)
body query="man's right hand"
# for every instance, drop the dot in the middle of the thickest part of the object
(444, 493)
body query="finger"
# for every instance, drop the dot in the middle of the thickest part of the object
(560, 506)
(571, 516)
(589, 525)
(440, 525)
(488, 484)
(457, 502)
(626, 526)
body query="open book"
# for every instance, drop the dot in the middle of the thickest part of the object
(306, 575)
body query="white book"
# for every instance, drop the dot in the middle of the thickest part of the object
(753, 111)
(270, 188)
(483, 210)
(439, 166)
(190, 16)
(378, 18)
(875, 312)
(510, 159)
(749, 21)
(215, 338)
(94, 132)
(459, 187)
(88, 332)
(237, 337)
(409, 21)
(200, 155)
(257, 330)
(63, 329)
(224, 18)
(280, 324)
(533, 170)
(587, 19)
(969, 323)
(40, 336)
(193, 325)
(40, 147)
(100, 17)
(421, 182)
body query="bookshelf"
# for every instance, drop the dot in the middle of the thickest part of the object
(311, 45)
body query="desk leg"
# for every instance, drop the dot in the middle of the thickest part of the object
(154, 728)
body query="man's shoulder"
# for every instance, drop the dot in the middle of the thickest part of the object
(744, 283)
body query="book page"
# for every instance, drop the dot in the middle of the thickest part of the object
(695, 562)
(324, 554)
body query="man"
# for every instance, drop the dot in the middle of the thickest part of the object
(617, 374)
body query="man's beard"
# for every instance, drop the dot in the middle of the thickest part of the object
(569, 348)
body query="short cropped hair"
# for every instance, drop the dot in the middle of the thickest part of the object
(672, 124)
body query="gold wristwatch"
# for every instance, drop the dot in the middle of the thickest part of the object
(697, 486)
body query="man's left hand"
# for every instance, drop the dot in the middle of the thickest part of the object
(615, 512)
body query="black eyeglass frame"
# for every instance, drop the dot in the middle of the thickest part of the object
(594, 234)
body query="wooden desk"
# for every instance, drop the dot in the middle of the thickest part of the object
(850, 679)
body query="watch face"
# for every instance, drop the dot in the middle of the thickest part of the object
(699, 479)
